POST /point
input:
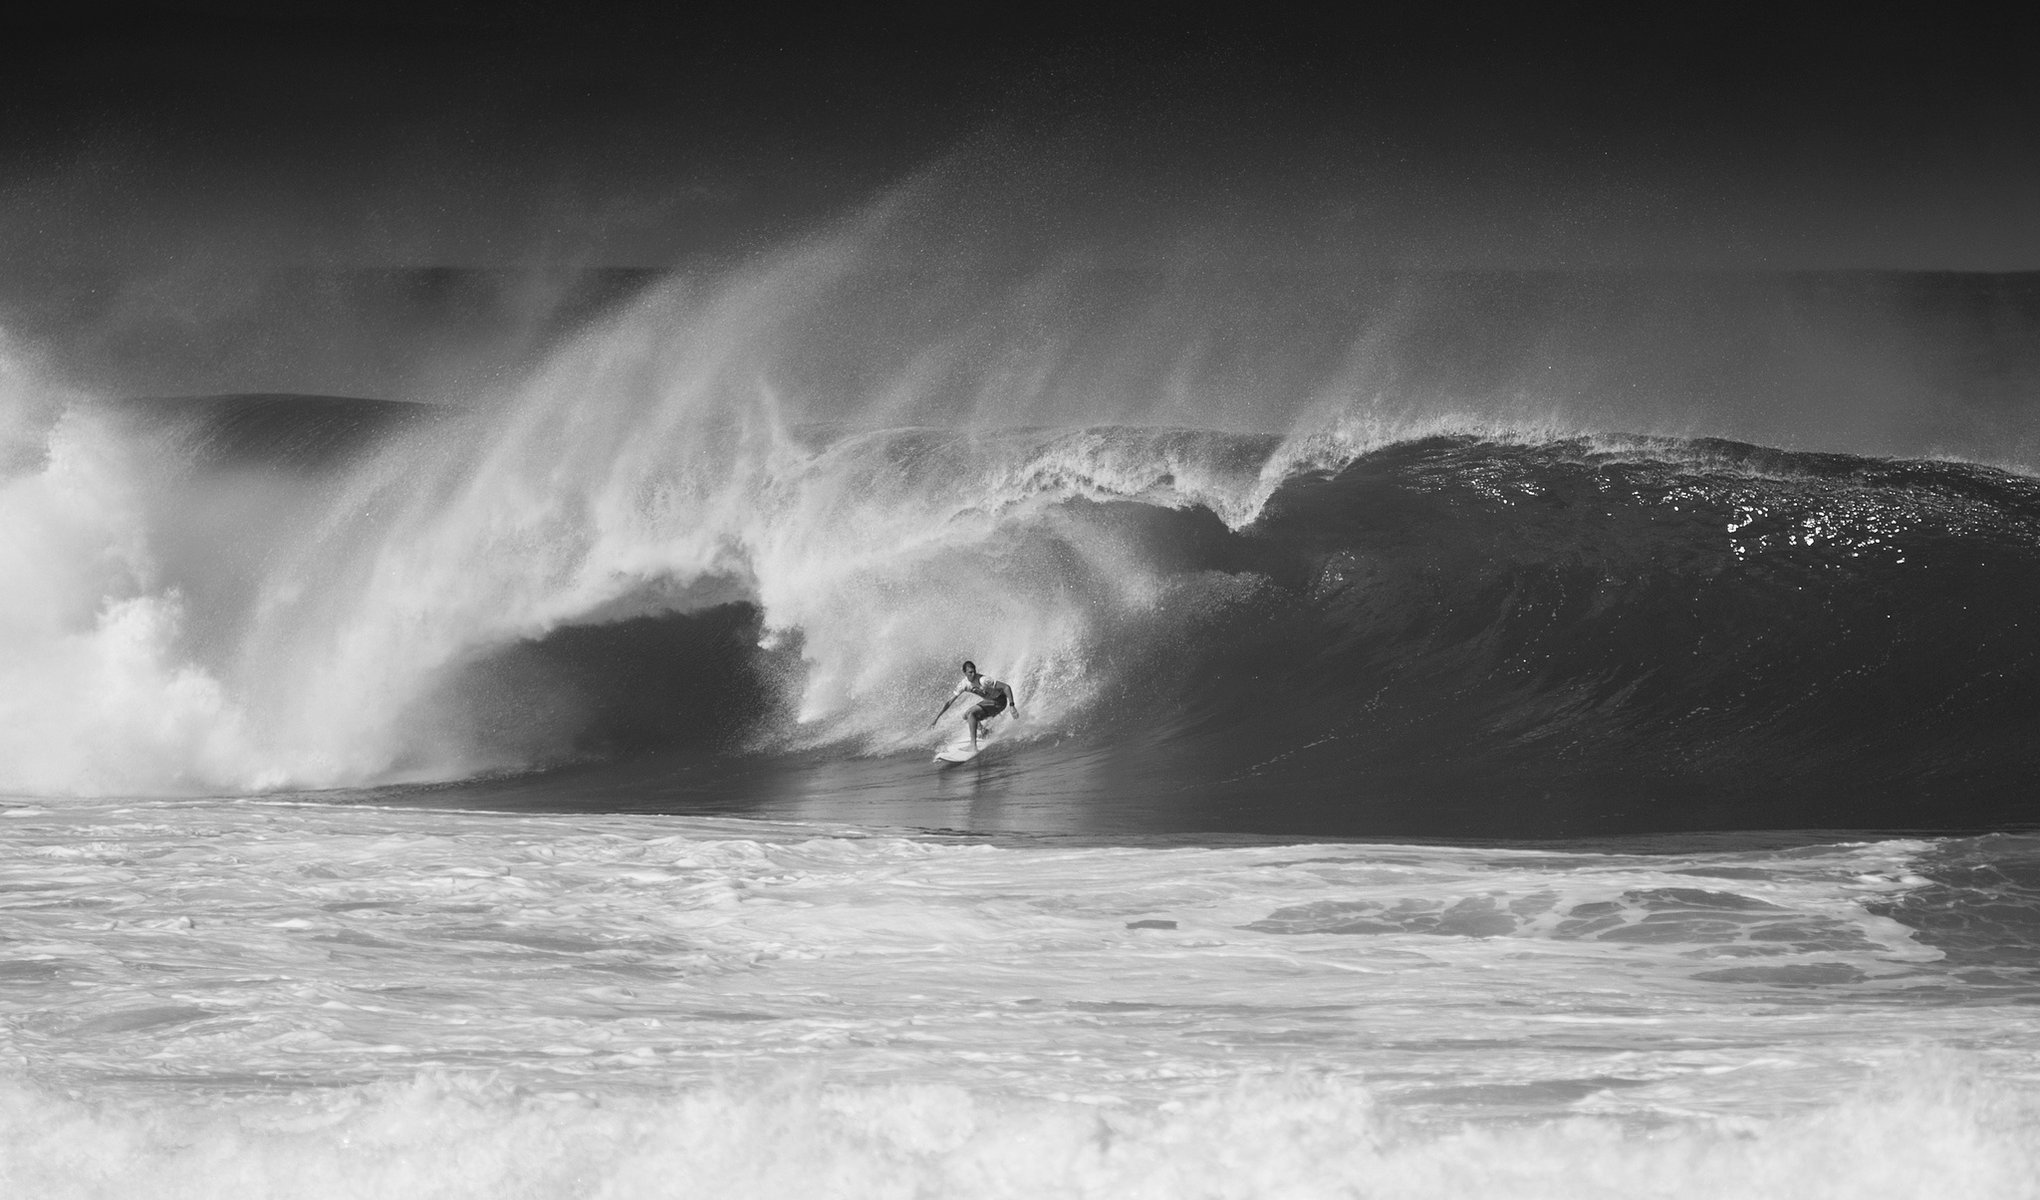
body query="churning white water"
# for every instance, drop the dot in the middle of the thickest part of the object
(264, 999)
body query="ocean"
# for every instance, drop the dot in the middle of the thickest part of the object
(1515, 734)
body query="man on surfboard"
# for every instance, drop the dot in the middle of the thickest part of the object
(993, 698)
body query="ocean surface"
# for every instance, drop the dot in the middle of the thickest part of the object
(1514, 735)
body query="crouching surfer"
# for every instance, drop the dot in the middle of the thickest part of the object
(993, 698)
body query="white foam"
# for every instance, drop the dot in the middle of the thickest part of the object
(312, 1000)
(1922, 1129)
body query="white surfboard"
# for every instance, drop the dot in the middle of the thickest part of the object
(960, 750)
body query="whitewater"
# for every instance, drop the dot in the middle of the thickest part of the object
(309, 999)
(1500, 734)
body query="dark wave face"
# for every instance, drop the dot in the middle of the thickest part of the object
(1464, 637)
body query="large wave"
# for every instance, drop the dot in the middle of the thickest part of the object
(765, 514)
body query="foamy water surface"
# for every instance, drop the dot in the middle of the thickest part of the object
(252, 998)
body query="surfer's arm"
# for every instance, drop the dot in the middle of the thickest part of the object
(945, 705)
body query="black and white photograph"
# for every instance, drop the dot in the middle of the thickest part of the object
(1422, 601)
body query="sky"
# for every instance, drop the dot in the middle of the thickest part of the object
(520, 135)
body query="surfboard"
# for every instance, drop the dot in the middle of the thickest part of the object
(960, 750)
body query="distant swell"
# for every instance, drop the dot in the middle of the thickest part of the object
(274, 431)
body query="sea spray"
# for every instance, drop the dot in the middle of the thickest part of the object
(98, 692)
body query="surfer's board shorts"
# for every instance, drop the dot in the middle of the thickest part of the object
(988, 708)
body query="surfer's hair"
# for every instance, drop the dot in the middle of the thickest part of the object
(969, 665)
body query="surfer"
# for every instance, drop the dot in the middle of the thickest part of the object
(993, 696)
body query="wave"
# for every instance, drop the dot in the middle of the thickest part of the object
(730, 523)
(1459, 636)
(1530, 637)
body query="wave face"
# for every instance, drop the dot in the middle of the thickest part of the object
(1667, 635)
(726, 545)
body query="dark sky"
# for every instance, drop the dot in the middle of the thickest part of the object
(376, 133)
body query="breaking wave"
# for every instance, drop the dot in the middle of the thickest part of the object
(730, 522)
